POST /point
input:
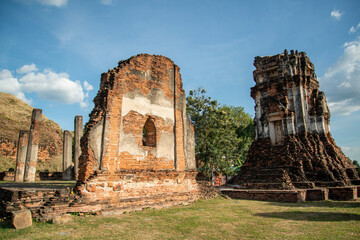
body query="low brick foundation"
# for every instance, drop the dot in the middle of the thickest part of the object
(106, 194)
(297, 195)
(207, 190)
(343, 193)
(317, 194)
(43, 203)
(267, 195)
(136, 189)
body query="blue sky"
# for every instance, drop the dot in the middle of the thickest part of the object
(53, 51)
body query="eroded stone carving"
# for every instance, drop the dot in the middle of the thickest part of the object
(293, 147)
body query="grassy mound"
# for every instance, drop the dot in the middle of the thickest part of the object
(15, 115)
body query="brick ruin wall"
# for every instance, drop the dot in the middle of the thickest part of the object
(293, 146)
(137, 149)
(139, 142)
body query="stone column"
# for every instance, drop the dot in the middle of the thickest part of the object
(67, 156)
(78, 132)
(21, 155)
(33, 146)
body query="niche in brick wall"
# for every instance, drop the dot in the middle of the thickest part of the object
(276, 129)
(149, 133)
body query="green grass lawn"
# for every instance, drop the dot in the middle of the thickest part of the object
(219, 218)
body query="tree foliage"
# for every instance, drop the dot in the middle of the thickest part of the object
(223, 134)
(356, 163)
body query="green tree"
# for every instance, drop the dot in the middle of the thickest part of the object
(223, 134)
(356, 163)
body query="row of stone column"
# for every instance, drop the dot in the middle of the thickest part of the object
(27, 151)
(28, 145)
(68, 172)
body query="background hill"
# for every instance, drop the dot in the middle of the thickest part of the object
(15, 115)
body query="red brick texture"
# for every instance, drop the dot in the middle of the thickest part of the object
(122, 162)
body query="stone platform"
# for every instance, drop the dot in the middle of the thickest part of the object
(38, 197)
(49, 199)
(296, 195)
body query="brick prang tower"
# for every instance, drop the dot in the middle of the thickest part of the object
(293, 147)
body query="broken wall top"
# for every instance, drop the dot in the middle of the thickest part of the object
(284, 66)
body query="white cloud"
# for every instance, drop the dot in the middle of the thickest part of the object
(341, 81)
(345, 85)
(55, 3)
(52, 3)
(106, 2)
(27, 68)
(48, 85)
(336, 14)
(9, 84)
(344, 107)
(354, 29)
(351, 151)
(88, 86)
(53, 86)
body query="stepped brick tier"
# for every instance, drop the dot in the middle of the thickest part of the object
(139, 143)
(293, 147)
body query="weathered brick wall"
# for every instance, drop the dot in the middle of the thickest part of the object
(139, 142)
(133, 123)
(138, 188)
(142, 87)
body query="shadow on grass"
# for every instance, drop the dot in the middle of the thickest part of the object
(39, 185)
(329, 204)
(312, 216)
(6, 225)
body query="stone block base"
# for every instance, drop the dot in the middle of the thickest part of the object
(343, 193)
(106, 194)
(267, 195)
(21, 219)
(298, 195)
(317, 194)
